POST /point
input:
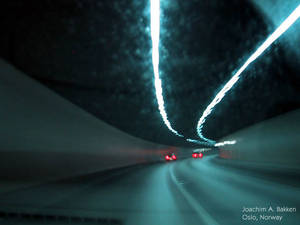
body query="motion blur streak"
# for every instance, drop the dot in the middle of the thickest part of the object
(225, 143)
(291, 19)
(199, 142)
(155, 30)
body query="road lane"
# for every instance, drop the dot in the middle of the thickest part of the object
(192, 191)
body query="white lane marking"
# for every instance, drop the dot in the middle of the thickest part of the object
(202, 213)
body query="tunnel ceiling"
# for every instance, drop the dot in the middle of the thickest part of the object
(97, 54)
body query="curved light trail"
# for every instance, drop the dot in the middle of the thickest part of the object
(155, 30)
(211, 143)
(289, 21)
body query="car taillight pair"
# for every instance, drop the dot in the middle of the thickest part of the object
(173, 157)
(196, 155)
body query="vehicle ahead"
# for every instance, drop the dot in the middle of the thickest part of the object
(197, 154)
(170, 157)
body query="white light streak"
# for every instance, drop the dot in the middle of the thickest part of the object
(289, 21)
(200, 142)
(225, 143)
(202, 150)
(155, 30)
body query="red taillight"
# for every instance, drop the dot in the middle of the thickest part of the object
(200, 155)
(174, 157)
(195, 155)
(167, 157)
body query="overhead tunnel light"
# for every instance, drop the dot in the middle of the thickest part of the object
(289, 21)
(225, 143)
(155, 32)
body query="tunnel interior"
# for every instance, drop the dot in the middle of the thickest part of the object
(97, 97)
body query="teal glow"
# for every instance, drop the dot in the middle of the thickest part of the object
(155, 31)
(289, 21)
(225, 143)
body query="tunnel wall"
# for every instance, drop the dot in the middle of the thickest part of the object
(276, 140)
(43, 136)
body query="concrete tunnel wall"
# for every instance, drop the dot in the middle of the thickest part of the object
(43, 136)
(276, 140)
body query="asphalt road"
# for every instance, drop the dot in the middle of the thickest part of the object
(186, 192)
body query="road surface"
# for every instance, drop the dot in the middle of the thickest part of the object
(186, 192)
